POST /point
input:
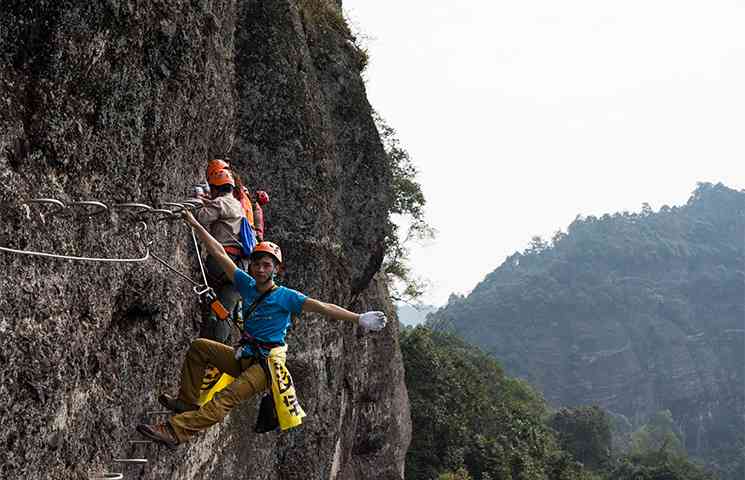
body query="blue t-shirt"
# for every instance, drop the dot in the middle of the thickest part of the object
(269, 321)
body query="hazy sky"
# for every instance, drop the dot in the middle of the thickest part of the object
(520, 115)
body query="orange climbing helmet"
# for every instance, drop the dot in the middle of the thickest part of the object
(262, 197)
(221, 177)
(214, 166)
(270, 248)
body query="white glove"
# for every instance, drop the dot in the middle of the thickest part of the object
(372, 321)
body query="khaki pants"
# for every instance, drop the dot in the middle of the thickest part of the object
(249, 380)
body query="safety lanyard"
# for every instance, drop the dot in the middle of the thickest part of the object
(255, 305)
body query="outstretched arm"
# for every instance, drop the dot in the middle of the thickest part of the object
(214, 247)
(369, 321)
(329, 310)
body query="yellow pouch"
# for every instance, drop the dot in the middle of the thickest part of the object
(289, 412)
(212, 382)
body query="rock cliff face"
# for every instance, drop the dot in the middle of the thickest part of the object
(634, 313)
(123, 101)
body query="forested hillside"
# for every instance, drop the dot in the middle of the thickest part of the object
(471, 421)
(468, 416)
(636, 313)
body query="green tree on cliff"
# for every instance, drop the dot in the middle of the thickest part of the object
(408, 204)
(660, 432)
(586, 433)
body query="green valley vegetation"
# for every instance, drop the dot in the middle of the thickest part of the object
(472, 422)
(468, 418)
(658, 465)
(634, 312)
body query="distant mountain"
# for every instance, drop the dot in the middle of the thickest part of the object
(412, 316)
(632, 312)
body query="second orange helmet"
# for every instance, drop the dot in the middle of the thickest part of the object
(214, 166)
(221, 177)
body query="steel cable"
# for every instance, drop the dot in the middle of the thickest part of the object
(142, 228)
(91, 208)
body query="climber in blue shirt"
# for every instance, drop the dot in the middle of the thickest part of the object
(269, 321)
(267, 315)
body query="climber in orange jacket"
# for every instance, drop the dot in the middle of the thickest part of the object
(267, 315)
(222, 215)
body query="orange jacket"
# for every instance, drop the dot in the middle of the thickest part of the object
(248, 209)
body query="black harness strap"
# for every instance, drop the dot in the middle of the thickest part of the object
(255, 305)
(267, 419)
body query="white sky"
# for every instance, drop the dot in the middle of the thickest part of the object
(520, 115)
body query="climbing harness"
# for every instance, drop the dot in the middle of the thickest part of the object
(197, 286)
(199, 256)
(208, 295)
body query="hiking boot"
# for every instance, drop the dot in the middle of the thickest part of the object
(161, 433)
(176, 404)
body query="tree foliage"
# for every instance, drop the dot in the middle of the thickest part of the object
(470, 420)
(659, 433)
(407, 205)
(473, 422)
(657, 465)
(585, 432)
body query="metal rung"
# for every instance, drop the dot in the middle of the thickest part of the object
(98, 207)
(193, 204)
(109, 476)
(166, 214)
(137, 207)
(47, 201)
(140, 227)
(131, 460)
(177, 207)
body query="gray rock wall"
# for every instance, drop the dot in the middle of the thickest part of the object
(121, 101)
